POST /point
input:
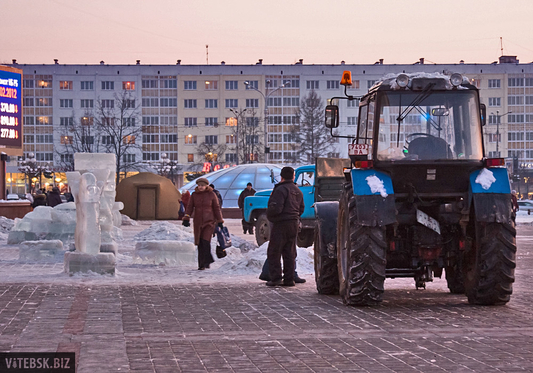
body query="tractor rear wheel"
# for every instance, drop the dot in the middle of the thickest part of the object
(262, 229)
(490, 263)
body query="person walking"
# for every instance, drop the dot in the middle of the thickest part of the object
(217, 193)
(54, 197)
(285, 205)
(207, 214)
(39, 199)
(249, 191)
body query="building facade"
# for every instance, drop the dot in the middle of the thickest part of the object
(199, 117)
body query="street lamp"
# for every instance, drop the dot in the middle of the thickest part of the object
(498, 129)
(265, 97)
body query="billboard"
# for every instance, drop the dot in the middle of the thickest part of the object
(10, 110)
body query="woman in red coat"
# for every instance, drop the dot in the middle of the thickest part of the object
(207, 213)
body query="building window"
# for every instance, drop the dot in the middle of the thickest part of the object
(189, 85)
(291, 101)
(44, 156)
(232, 103)
(169, 83)
(354, 85)
(190, 158)
(108, 140)
(252, 84)
(150, 139)
(495, 101)
(28, 101)
(232, 85)
(44, 139)
(494, 138)
(211, 103)
(252, 103)
(190, 104)
(191, 140)
(28, 83)
(494, 83)
(87, 103)
(231, 157)
(494, 119)
(150, 120)
(108, 104)
(252, 139)
(149, 83)
(66, 121)
(294, 83)
(515, 100)
(68, 158)
(169, 102)
(128, 122)
(108, 85)
(352, 103)
(87, 121)
(65, 85)
(87, 140)
(370, 83)
(87, 86)
(128, 86)
(130, 139)
(129, 158)
(274, 101)
(66, 140)
(211, 122)
(515, 82)
(43, 121)
(211, 85)
(313, 84)
(252, 121)
(211, 139)
(29, 120)
(172, 139)
(230, 139)
(332, 84)
(352, 121)
(67, 103)
(150, 102)
(191, 122)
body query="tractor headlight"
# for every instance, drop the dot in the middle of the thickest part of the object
(402, 80)
(456, 79)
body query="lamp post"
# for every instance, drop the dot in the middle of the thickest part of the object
(498, 116)
(265, 97)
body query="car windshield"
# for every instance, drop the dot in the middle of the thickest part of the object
(429, 126)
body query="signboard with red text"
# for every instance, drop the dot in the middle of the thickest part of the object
(10, 110)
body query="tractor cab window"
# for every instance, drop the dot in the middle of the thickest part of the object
(366, 122)
(306, 179)
(429, 126)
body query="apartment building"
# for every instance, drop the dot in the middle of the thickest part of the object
(191, 114)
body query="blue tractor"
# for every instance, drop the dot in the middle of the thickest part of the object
(419, 197)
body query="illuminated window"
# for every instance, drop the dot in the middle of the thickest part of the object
(190, 157)
(231, 122)
(128, 86)
(211, 85)
(66, 140)
(87, 121)
(44, 101)
(130, 139)
(65, 85)
(43, 120)
(191, 139)
(44, 83)
(230, 139)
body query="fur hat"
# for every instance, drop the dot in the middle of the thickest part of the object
(202, 180)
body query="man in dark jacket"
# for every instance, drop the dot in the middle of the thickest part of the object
(285, 205)
(217, 193)
(39, 199)
(249, 191)
(54, 197)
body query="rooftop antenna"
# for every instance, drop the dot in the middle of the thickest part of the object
(207, 54)
(501, 44)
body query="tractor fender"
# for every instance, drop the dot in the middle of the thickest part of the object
(374, 197)
(326, 221)
(490, 192)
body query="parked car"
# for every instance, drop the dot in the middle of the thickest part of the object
(12, 197)
(525, 206)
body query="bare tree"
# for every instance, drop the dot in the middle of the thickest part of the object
(212, 153)
(310, 137)
(248, 136)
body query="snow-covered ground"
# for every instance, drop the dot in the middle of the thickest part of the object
(243, 262)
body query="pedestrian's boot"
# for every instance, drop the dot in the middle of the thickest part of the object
(251, 231)
(299, 280)
(288, 283)
(274, 283)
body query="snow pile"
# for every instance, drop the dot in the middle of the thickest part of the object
(126, 220)
(163, 231)
(485, 178)
(376, 185)
(6, 224)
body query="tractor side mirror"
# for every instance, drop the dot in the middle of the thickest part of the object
(332, 116)
(483, 110)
